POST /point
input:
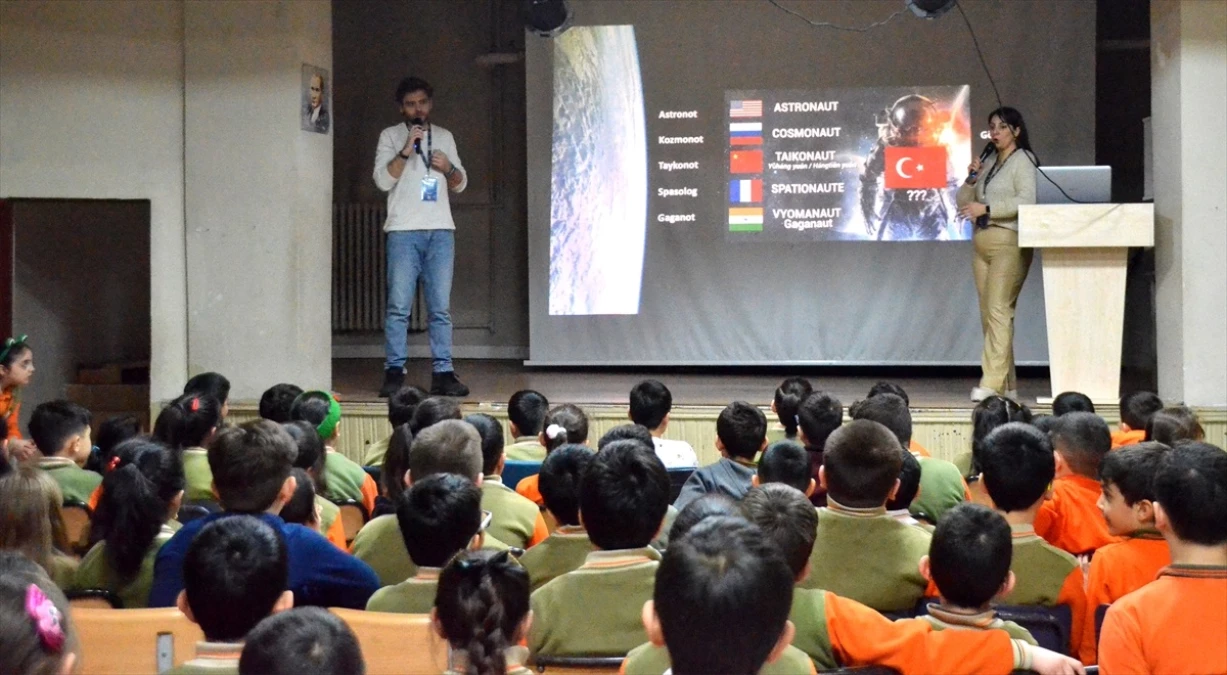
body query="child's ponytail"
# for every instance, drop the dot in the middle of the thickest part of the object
(188, 421)
(788, 398)
(144, 478)
(564, 424)
(481, 603)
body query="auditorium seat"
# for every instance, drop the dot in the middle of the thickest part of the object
(578, 665)
(402, 644)
(135, 641)
(1050, 626)
(515, 471)
(353, 516)
(76, 525)
(93, 598)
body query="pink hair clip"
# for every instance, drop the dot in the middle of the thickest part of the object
(113, 463)
(195, 404)
(46, 618)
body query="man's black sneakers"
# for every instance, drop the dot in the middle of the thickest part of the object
(446, 384)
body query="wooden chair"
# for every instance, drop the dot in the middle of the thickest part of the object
(578, 665)
(353, 516)
(77, 517)
(403, 644)
(135, 641)
(93, 598)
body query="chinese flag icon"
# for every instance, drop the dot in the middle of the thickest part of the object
(746, 161)
(919, 168)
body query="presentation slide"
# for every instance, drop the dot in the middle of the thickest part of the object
(714, 185)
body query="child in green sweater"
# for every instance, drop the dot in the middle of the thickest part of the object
(344, 480)
(525, 416)
(482, 611)
(969, 562)
(595, 610)
(187, 424)
(517, 520)
(438, 516)
(567, 547)
(60, 430)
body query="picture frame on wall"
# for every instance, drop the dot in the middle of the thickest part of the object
(315, 107)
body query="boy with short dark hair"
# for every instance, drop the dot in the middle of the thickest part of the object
(1136, 409)
(251, 466)
(299, 641)
(235, 574)
(1128, 506)
(402, 404)
(517, 520)
(60, 430)
(211, 384)
(1176, 623)
(862, 553)
(819, 415)
(433, 410)
(1017, 468)
(567, 547)
(1071, 401)
(343, 479)
(650, 404)
(909, 484)
(438, 516)
(277, 400)
(785, 462)
(525, 413)
(625, 432)
(595, 610)
(449, 446)
(741, 433)
(1071, 520)
(969, 562)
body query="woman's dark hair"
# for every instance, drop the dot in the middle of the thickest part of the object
(1012, 117)
(788, 397)
(136, 498)
(187, 421)
(481, 601)
(572, 419)
(396, 463)
(300, 509)
(310, 456)
(993, 412)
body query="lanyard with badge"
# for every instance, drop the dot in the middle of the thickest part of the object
(430, 184)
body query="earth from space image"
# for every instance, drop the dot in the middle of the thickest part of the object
(598, 187)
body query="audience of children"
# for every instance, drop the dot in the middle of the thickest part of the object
(525, 419)
(251, 466)
(1174, 424)
(187, 424)
(439, 516)
(141, 495)
(299, 641)
(1071, 520)
(16, 370)
(786, 403)
(517, 520)
(236, 572)
(343, 478)
(818, 417)
(568, 545)
(563, 424)
(1128, 507)
(32, 522)
(861, 552)
(650, 404)
(402, 405)
(1170, 624)
(277, 402)
(61, 432)
(482, 611)
(1017, 467)
(595, 610)
(1136, 409)
(310, 459)
(741, 433)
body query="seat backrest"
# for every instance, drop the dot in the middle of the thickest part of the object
(136, 641)
(678, 478)
(578, 665)
(1100, 612)
(353, 517)
(405, 644)
(515, 471)
(1050, 626)
(95, 598)
(77, 516)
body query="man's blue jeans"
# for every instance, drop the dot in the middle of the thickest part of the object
(428, 254)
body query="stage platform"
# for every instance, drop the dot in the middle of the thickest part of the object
(941, 407)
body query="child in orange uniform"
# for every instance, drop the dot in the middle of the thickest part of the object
(1136, 409)
(1071, 520)
(1176, 623)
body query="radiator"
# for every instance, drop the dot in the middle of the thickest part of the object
(359, 271)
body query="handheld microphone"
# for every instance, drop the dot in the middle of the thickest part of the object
(988, 150)
(417, 145)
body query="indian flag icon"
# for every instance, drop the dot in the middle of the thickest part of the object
(746, 219)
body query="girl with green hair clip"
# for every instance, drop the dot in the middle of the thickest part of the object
(16, 370)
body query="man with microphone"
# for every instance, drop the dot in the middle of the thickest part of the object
(416, 163)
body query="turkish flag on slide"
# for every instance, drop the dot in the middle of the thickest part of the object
(920, 168)
(746, 161)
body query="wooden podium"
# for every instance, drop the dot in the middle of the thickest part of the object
(1085, 249)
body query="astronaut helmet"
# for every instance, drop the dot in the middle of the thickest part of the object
(910, 117)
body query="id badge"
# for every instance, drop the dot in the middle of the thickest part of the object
(430, 189)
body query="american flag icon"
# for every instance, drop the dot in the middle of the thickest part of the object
(746, 109)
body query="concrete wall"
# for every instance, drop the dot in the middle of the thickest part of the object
(91, 107)
(1189, 94)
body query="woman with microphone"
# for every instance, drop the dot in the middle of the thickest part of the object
(990, 198)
